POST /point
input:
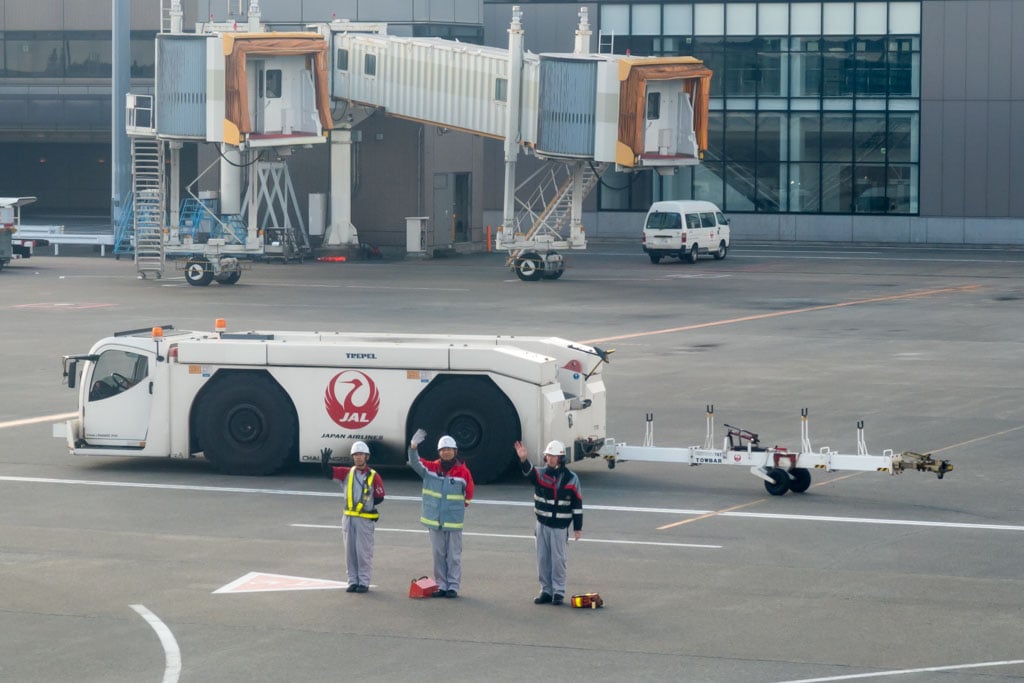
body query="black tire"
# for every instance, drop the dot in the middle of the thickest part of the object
(781, 484)
(801, 480)
(228, 278)
(245, 424)
(554, 274)
(198, 272)
(477, 414)
(721, 252)
(655, 258)
(529, 267)
(692, 255)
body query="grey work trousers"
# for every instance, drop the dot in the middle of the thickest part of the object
(447, 547)
(358, 535)
(552, 557)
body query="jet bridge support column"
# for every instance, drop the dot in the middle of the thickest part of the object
(341, 232)
(513, 133)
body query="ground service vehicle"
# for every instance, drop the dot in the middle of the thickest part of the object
(251, 402)
(685, 229)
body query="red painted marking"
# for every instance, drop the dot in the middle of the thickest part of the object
(259, 582)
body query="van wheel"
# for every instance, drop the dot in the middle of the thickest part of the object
(722, 250)
(474, 412)
(655, 258)
(691, 256)
(245, 424)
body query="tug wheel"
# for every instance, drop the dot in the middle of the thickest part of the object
(801, 480)
(781, 484)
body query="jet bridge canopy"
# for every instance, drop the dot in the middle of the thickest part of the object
(240, 48)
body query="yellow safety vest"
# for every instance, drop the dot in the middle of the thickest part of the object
(353, 507)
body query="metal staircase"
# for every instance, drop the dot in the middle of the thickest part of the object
(549, 208)
(148, 204)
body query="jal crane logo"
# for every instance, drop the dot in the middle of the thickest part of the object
(360, 403)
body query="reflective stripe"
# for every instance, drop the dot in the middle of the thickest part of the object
(353, 509)
(433, 494)
(364, 515)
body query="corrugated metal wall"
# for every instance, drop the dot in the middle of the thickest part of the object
(568, 96)
(181, 73)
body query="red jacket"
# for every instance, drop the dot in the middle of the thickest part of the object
(459, 470)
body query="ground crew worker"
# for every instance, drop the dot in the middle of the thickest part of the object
(447, 490)
(557, 502)
(364, 491)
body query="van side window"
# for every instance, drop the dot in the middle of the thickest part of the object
(692, 221)
(722, 220)
(707, 220)
(664, 221)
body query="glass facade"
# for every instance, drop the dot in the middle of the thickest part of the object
(70, 54)
(814, 105)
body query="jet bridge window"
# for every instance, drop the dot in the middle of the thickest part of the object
(501, 89)
(341, 60)
(117, 371)
(370, 65)
(653, 106)
(273, 84)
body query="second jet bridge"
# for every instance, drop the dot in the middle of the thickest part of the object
(635, 112)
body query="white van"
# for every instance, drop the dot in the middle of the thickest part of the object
(685, 229)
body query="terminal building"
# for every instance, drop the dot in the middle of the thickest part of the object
(844, 121)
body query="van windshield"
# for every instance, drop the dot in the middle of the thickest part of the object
(664, 221)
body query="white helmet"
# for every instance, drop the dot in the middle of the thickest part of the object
(555, 447)
(359, 447)
(447, 442)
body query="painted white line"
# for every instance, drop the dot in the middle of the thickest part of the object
(904, 672)
(36, 420)
(172, 655)
(509, 503)
(527, 537)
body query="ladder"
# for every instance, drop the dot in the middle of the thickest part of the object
(148, 204)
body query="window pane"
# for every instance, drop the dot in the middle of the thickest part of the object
(716, 136)
(739, 136)
(341, 60)
(676, 186)
(89, 55)
(869, 61)
(805, 19)
(709, 19)
(902, 144)
(901, 188)
(804, 188)
(770, 181)
(707, 182)
(678, 20)
(837, 137)
(646, 20)
(805, 137)
(772, 135)
(904, 59)
(712, 52)
(741, 19)
(869, 188)
(870, 18)
(143, 54)
(837, 19)
(869, 141)
(34, 54)
(836, 188)
(837, 68)
(773, 19)
(370, 65)
(905, 17)
(771, 67)
(615, 19)
(805, 61)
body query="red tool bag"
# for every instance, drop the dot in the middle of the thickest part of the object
(422, 587)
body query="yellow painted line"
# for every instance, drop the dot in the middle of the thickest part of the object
(710, 514)
(36, 420)
(980, 438)
(778, 314)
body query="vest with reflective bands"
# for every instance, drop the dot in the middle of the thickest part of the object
(444, 502)
(354, 505)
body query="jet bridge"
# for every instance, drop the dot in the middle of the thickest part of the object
(582, 112)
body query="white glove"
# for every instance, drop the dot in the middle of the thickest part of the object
(418, 437)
